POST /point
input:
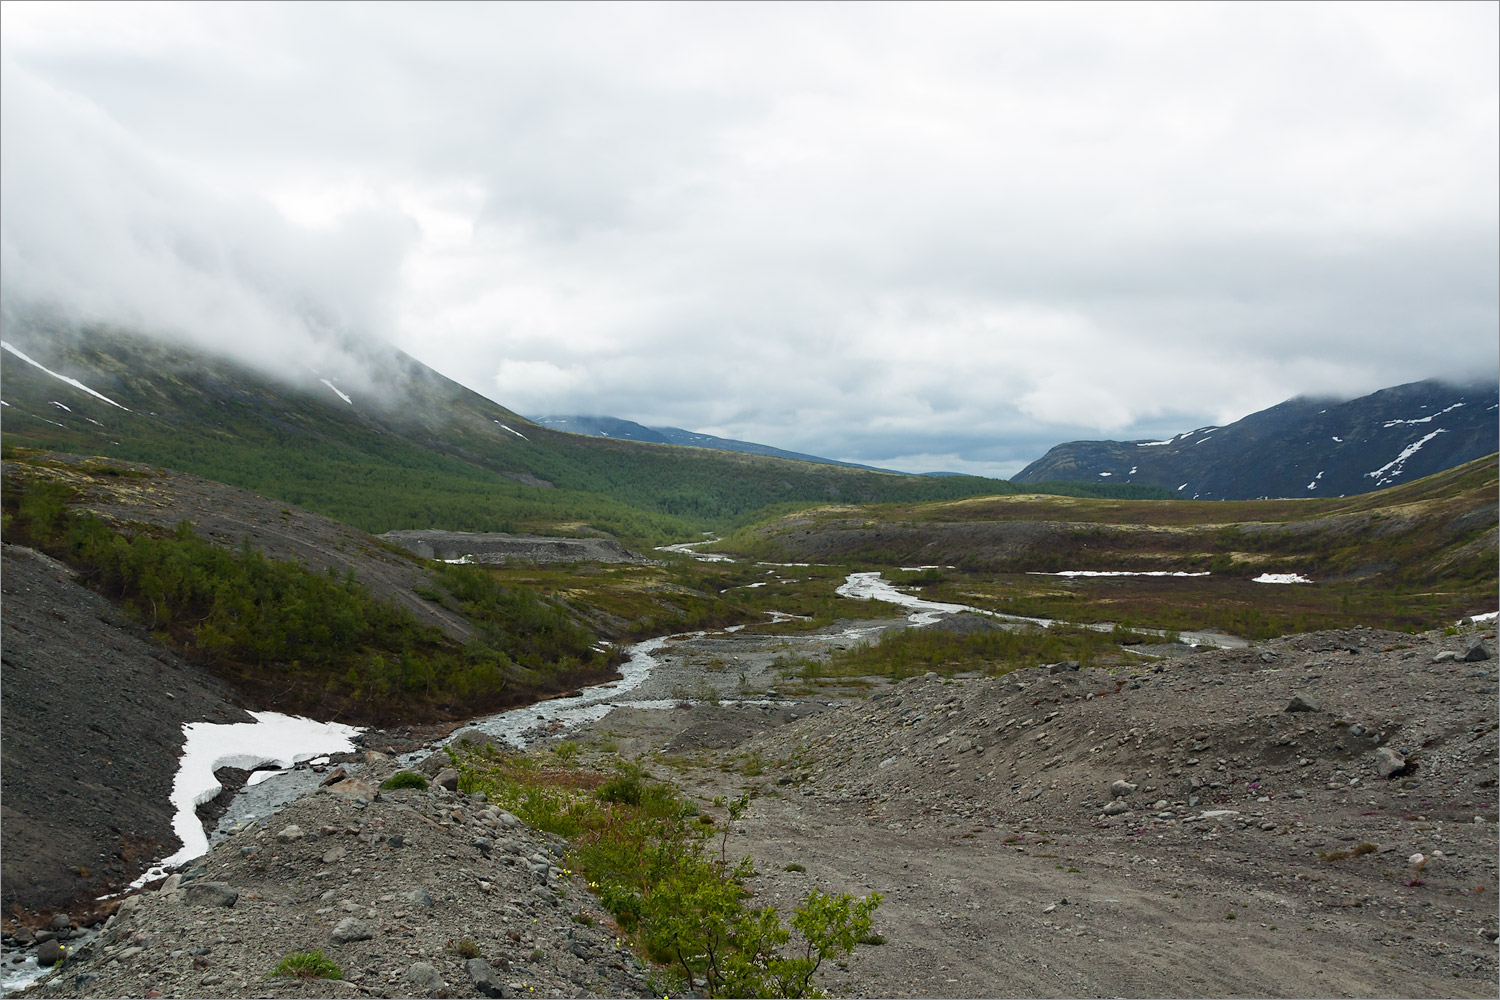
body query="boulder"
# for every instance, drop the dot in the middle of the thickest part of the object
(50, 953)
(202, 893)
(1116, 807)
(485, 982)
(470, 738)
(1389, 763)
(1303, 702)
(351, 929)
(1476, 651)
(1446, 656)
(425, 976)
(1122, 789)
(447, 778)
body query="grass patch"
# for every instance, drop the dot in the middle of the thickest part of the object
(405, 779)
(308, 965)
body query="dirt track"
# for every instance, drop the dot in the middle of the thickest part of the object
(977, 808)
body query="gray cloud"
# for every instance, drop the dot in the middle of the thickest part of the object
(880, 232)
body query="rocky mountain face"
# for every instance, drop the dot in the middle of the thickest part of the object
(1300, 448)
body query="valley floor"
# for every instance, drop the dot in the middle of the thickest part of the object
(1232, 861)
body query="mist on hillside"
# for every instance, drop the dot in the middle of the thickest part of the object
(98, 229)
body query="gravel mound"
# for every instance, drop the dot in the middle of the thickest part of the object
(411, 893)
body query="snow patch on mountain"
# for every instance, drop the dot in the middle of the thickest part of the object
(63, 378)
(1388, 472)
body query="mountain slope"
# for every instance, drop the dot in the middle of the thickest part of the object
(629, 430)
(1299, 448)
(401, 447)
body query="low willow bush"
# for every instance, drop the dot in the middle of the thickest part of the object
(653, 865)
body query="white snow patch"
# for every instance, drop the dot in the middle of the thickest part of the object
(1488, 616)
(463, 560)
(336, 391)
(1182, 487)
(71, 381)
(1115, 572)
(517, 433)
(60, 406)
(1106, 473)
(1281, 578)
(1153, 444)
(1421, 420)
(1132, 470)
(1338, 439)
(1394, 465)
(3, 403)
(272, 738)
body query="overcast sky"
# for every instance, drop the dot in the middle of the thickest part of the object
(923, 237)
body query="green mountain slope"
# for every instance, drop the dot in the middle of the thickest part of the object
(407, 449)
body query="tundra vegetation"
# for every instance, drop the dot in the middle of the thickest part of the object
(649, 855)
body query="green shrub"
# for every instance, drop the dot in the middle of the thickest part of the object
(405, 779)
(464, 948)
(308, 965)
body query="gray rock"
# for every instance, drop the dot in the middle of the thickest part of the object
(290, 833)
(419, 897)
(470, 738)
(351, 929)
(203, 893)
(1115, 808)
(425, 976)
(1389, 763)
(1476, 651)
(1303, 702)
(50, 953)
(60, 922)
(447, 778)
(1446, 656)
(1122, 789)
(1066, 666)
(334, 854)
(484, 978)
(434, 763)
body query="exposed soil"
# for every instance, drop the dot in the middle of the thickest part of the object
(1235, 867)
(501, 547)
(93, 715)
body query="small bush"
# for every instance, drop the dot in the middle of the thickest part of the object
(1353, 852)
(794, 867)
(309, 965)
(405, 779)
(464, 948)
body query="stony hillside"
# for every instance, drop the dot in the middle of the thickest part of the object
(1300, 448)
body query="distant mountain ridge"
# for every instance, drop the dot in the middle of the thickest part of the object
(629, 430)
(1300, 448)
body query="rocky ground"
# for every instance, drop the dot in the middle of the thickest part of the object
(1195, 826)
(411, 893)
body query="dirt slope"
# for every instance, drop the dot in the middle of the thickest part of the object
(92, 729)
